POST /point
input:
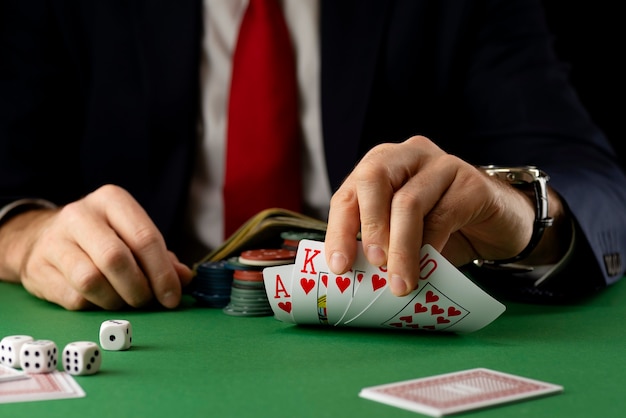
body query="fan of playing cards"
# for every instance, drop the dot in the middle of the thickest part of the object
(306, 292)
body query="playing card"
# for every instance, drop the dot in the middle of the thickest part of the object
(459, 391)
(9, 373)
(41, 386)
(320, 296)
(309, 303)
(277, 282)
(371, 286)
(445, 300)
(341, 288)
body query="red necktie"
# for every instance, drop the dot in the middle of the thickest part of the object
(263, 134)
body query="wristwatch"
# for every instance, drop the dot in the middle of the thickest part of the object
(527, 178)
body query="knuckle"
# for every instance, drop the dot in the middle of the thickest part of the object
(421, 142)
(343, 197)
(71, 212)
(145, 237)
(371, 168)
(401, 257)
(406, 202)
(110, 191)
(85, 280)
(373, 226)
(113, 256)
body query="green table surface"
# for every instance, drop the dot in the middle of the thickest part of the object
(200, 362)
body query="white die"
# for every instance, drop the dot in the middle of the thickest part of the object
(10, 349)
(82, 358)
(39, 356)
(116, 334)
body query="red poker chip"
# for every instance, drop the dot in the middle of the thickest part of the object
(267, 256)
(293, 243)
(248, 275)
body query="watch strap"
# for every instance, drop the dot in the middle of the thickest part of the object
(524, 176)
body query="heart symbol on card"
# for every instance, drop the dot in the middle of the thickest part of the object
(452, 311)
(432, 327)
(325, 279)
(436, 310)
(359, 277)
(307, 285)
(342, 283)
(378, 282)
(408, 319)
(285, 306)
(419, 308)
(431, 297)
(442, 320)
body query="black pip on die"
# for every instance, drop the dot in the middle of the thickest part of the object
(39, 356)
(10, 349)
(116, 334)
(82, 358)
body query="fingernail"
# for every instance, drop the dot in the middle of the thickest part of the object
(375, 255)
(338, 263)
(169, 299)
(398, 287)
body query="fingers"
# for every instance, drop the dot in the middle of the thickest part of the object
(103, 250)
(412, 220)
(129, 250)
(185, 274)
(403, 196)
(101, 265)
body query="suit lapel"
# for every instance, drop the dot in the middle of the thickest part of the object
(167, 38)
(350, 39)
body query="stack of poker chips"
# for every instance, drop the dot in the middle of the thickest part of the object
(291, 239)
(236, 284)
(212, 284)
(247, 296)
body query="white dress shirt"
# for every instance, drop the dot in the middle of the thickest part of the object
(221, 24)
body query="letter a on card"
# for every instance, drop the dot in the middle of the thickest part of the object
(277, 282)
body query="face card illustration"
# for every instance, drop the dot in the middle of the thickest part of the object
(322, 292)
(309, 270)
(445, 299)
(277, 280)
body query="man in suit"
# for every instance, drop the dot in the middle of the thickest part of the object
(101, 158)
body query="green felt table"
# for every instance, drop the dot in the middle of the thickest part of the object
(200, 362)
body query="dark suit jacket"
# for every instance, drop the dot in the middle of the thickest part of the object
(106, 91)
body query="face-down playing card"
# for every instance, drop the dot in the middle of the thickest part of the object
(455, 392)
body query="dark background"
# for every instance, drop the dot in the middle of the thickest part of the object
(590, 38)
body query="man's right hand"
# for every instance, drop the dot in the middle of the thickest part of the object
(102, 250)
